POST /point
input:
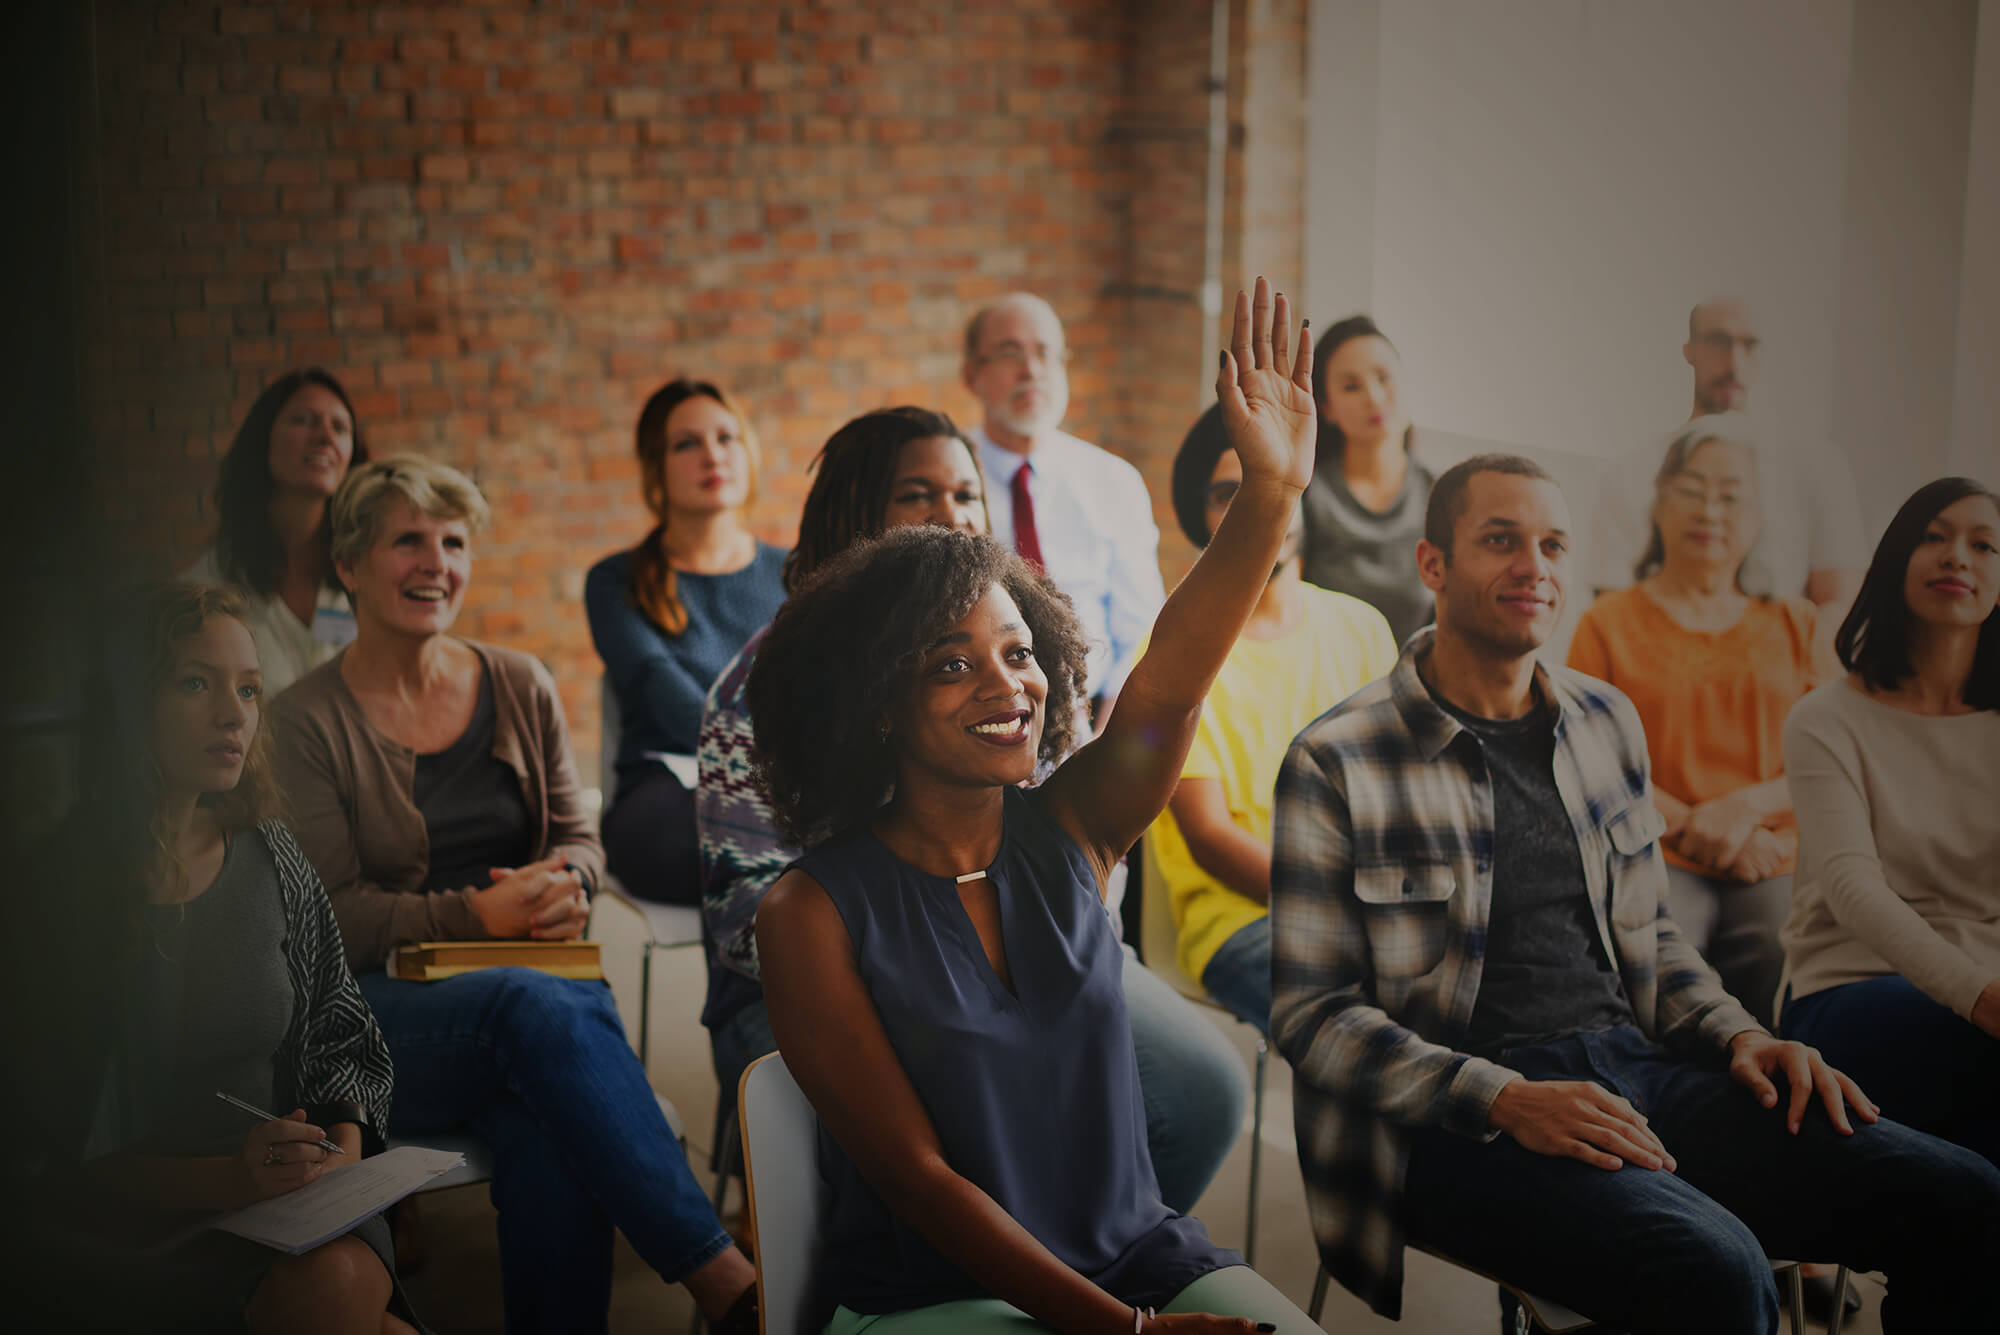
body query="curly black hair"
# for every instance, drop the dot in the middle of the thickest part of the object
(845, 648)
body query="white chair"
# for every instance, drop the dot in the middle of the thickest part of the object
(1159, 948)
(665, 926)
(788, 1196)
(1531, 1314)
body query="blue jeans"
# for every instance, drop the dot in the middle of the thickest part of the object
(1685, 1251)
(1190, 1078)
(539, 1068)
(1239, 974)
(1927, 1067)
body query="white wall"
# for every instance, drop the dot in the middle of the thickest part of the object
(1555, 182)
(1975, 427)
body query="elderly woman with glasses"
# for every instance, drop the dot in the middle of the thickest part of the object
(1713, 671)
(436, 792)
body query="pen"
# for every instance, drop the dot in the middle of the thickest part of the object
(257, 1112)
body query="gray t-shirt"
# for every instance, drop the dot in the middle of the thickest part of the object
(1546, 975)
(214, 1005)
(1352, 549)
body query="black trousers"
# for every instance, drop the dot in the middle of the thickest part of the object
(649, 838)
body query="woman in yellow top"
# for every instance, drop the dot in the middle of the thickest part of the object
(1713, 671)
(1304, 650)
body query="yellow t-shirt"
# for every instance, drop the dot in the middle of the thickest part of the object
(1266, 693)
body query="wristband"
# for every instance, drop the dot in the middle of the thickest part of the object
(1140, 1316)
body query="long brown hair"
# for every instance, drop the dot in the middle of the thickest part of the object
(247, 551)
(126, 799)
(653, 583)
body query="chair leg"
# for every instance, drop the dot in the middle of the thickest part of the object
(645, 1004)
(1795, 1281)
(1839, 1316)
(1256, 1153)
(728, 1161)
(1319, 1295)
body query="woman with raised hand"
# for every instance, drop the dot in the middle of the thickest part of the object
(939, 970)
(437, 794)
(1892, 950)
(668, 614)
(890, 469)
(1713, 671)
(216, 966)
(291, 454)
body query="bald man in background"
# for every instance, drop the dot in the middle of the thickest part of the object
(1812, 544)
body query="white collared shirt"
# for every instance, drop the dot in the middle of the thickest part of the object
(1094, 520)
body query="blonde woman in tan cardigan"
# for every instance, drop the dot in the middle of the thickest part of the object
(436, 792)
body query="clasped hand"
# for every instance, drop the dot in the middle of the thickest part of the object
(1579, 1119)
(542, 900)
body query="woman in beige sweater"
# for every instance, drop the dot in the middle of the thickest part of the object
(1892, 950)
(435, 791)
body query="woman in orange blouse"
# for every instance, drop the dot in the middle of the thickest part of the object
(1713, 670)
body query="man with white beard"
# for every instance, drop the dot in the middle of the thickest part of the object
(1079, 512)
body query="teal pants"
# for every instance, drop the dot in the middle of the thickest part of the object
(1236, 1291)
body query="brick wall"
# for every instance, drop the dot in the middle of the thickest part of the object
(503, 224)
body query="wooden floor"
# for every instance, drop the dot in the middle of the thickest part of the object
(458, 1291)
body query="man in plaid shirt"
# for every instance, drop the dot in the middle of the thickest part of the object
(1503, 1047)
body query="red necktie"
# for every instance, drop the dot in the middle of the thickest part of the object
(1026, 541)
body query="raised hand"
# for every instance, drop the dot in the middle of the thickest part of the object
(1266, 390)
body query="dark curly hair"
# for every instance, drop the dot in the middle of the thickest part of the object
(247, 551)
(852, 479)
(844, 649)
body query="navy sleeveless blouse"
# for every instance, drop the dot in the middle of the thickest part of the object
(1034, 1093)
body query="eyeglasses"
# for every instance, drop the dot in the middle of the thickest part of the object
(1222, 493)
(1015, 355)
(1700, 498)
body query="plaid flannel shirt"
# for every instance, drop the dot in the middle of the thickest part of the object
(1381, 885)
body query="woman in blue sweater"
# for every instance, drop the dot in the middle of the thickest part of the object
(668, 615)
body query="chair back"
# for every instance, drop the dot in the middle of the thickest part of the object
(788, 1196)
(1159, 936)
(608, 732)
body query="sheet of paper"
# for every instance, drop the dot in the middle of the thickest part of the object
(300, 1220)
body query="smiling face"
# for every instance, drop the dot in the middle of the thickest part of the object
(1500, 587)
(411, 580)
(205, 713)
(936, 482)
(1707, 514)
(973, 713)
(312, 442)
(1018, 371)
(1954, 575)
(707, 463)
(1362, 397)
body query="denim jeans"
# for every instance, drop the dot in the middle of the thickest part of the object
(1685, 1251)
(1239, 974)
(1925, 1065)
(539, 1068)
(1191, 1079)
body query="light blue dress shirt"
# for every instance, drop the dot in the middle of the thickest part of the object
(1094, 520)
